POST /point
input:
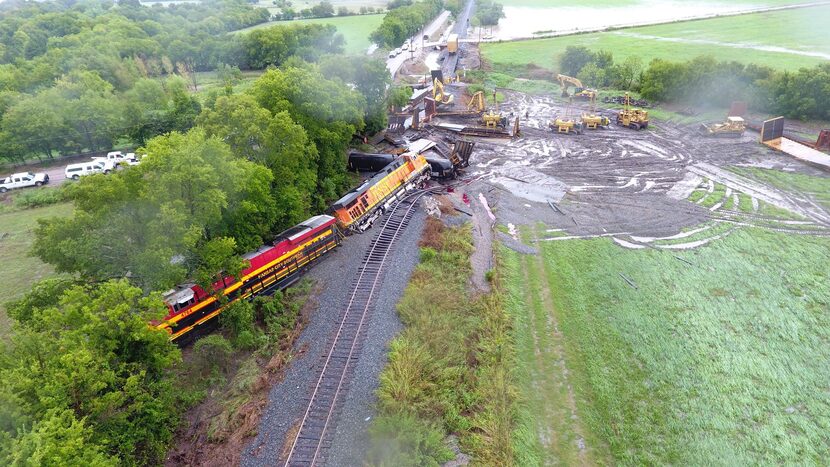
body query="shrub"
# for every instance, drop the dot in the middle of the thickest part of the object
(40, 197)
(238, 320)
(213, 354)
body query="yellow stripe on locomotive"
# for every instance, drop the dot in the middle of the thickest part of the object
(357, 209)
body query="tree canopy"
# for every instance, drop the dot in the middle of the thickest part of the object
(85, 379)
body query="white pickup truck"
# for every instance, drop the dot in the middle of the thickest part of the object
(116, 158)
(22, 180)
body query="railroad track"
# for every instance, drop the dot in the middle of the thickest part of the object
(317, 424)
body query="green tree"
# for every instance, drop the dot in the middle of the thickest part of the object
(150, 222)
(323, 9)
(274, 141)
(627, 73)
(591, 75)
(329, 111)
(91, 373)
(574, 58)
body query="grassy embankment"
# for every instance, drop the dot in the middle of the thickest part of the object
(737, 38)
(18, 270)
(355, 29)
(720, 362)
(451, 369)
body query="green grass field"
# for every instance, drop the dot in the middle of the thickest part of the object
(728, 38)
(719, 363)
(816, 187)
(18, 270)
(355, 29)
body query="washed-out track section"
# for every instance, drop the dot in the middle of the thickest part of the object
(317, 425)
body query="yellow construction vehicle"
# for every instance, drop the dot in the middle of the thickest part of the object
(567, 126)
(591, 120)
(438, 93)
(476, 102)
(635, 119)
(493, 118)
(580, 91)
(732, 127)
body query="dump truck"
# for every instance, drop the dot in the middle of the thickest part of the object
(733, 127)
(452, 43)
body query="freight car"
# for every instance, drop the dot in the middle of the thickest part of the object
(440, 167)
(369, 162)
(272, 267)
(360, 207)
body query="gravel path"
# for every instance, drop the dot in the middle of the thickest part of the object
(288, 400)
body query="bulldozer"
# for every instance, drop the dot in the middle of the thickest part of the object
(493, 118)
(732, 127)
(567, 126)
(635, 119)
(438, 93)
(592, 121)
(580, 91)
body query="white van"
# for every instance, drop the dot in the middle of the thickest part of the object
(76, 171)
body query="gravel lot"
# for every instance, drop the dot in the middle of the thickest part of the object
(288, 400)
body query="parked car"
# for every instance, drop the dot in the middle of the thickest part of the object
(405, 46)
(116, 157)
(76, 171)
(134, 160)
(398, 51)
(22, 180)
(392, 54)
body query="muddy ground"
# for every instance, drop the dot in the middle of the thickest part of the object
(623, 183)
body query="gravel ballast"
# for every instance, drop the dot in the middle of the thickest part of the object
(288, 400)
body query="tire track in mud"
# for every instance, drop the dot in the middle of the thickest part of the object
(617, 179)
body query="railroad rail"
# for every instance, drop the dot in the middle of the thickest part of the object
(316, 425)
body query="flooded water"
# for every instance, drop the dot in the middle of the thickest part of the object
(521, 22)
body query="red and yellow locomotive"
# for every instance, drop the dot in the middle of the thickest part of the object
(357, 209)
(274, 267)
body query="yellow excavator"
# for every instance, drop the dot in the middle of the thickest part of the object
(476, 102)
(438, 93)
(635, 119)
(580, 91)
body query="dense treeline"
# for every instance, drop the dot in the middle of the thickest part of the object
(404, 21)
(87, 379)
(803, 94)
(79, 78)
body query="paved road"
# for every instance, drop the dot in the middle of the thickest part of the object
(450, 62)
(394, 64)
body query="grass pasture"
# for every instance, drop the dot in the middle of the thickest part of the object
(719, 363)
(18, 270)
(355, 29)
(745, 38)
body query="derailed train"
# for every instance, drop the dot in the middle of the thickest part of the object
(276, 266)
